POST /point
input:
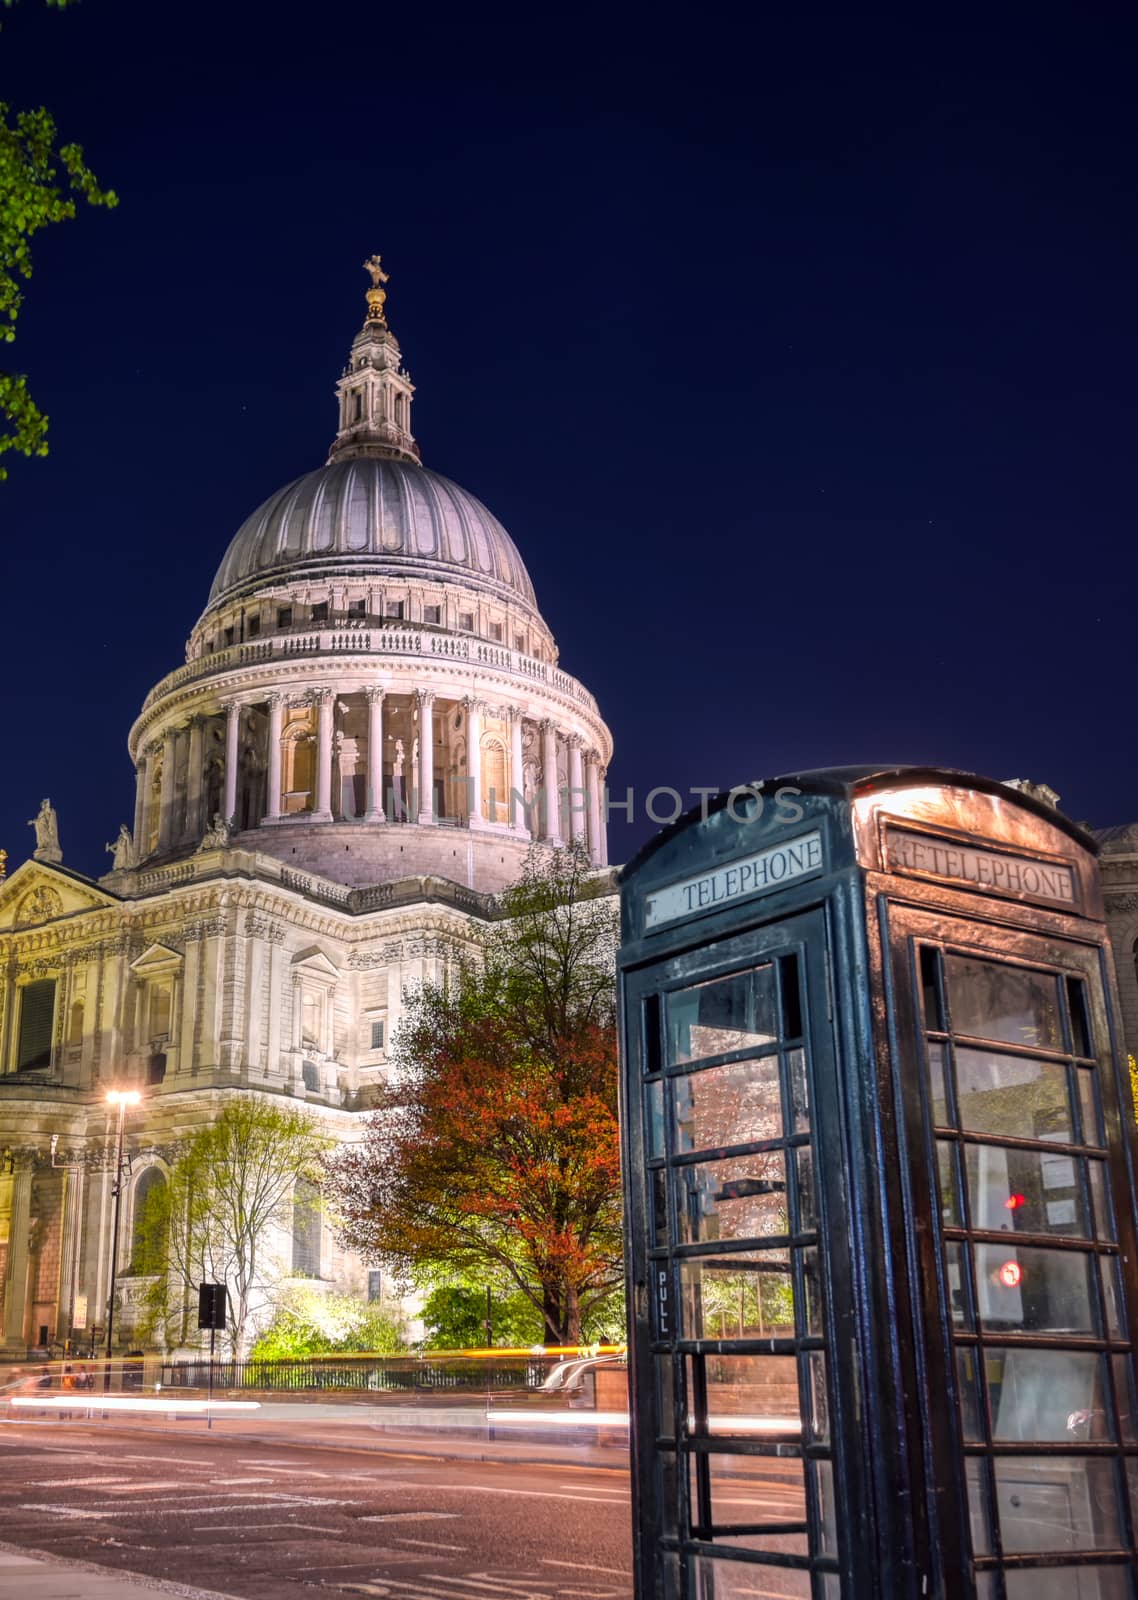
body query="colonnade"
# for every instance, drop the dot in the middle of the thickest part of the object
(233, 762)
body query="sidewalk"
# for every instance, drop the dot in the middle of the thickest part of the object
(33, 1577)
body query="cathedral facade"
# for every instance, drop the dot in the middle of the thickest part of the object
(369, 730)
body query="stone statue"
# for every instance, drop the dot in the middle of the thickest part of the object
(397, 763)
(217, 836)
(122, 849)
(374, 265)
(46, 825)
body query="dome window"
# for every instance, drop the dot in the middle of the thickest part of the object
(357, 608)
(466, 621)
(320, 611)
(252, 627)
(227, 636)
(433, 614)
(284, 616)
(495, 630)
(520, 642)
(396, 609)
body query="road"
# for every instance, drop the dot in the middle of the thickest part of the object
(263, 1520)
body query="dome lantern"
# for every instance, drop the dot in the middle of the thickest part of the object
(375, 392)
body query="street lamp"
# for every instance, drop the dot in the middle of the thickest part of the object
(121, 1098)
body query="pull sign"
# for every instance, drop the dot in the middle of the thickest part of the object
(211, 1305)
(663, 1309)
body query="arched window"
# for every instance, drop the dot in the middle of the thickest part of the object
(311, 1075)
(145, 1244)
(305, 1230)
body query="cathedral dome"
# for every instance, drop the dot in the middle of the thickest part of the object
(373, 514)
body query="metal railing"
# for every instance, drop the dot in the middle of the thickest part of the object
(390, 1374)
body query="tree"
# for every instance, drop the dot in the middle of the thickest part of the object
(232, 1185)
(39, 180)
(495, 1147)
(308, 1322)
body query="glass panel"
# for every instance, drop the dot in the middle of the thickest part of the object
(977, 1507)
(1100, 1199)
(1081, 1042)
(669, 1579)
(1053, 1395)
(1112, 1296)
(665, 1397)
(949, 1197)
(1125, 1395)
(745, 1580)
(1024, 1191)
(667, 1483)
(1068, 1583)
(827, 1510)
(818, 1400)
(956, 1265)
(1088, 1105)
(812, 1283)
(969, 1399)
(1034, 1290)
(768, 1490)
(742, 1198)
(831, 1586)
(799, 1091)
(658, 1182)
(807, 1199)
(1056, 1503)
(1013, 1096)
(737, 1104)
(654, 1118)
(987, 1586)
(748, 1397)
(989, 1000)
(735, 1013)
(930, 988)
(941, 1118)
(737, 1297)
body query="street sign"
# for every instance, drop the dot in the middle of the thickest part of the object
(211, 1306)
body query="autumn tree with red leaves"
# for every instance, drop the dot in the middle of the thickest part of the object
(495, 1146)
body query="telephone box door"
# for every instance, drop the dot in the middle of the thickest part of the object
(736, 1206)
(1019, 1226)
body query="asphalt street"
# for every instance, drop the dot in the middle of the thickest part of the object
(267, 1520)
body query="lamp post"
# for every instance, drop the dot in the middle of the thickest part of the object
(120, 1098)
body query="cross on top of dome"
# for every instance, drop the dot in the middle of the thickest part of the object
(377, 294)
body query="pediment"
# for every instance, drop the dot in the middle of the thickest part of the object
(314, 961)
(38, 893)
(155, 960)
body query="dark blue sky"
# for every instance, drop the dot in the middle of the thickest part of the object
(796, 352)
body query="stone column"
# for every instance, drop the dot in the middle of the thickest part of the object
(577, 799)
(374, 812)
(325, 708)
(426, 774)
(551, 818)
(232, 746)
(273, 760)
(143, 843)
(517, 815)
(19, 1238)
(194, 781)
(474, 759)
(598, 844)
(139, 804)
(166, 794)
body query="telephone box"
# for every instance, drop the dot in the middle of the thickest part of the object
(879, 1180)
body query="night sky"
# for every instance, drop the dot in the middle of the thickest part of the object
(798, 354)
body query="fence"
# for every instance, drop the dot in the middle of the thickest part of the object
(407, 1374)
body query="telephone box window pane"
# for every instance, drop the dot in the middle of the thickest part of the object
(658, 1178)
(812, 1284)
(949, 1189)
(1034, 1290)
(930, 989)
(977, 1506)
(723, 1014)
(807, 1197)
(654, 1118)
(986, 1586)
(818, 1398)
(956, 1265)
(665, 1397)
(969, 1399)
(1053, 1396)
(780, 1494)
(799, 1091)
(670, 1579)
(736, 1104)
(1068, 1583)
(1100, 1200)
(748, 1397)
(1011, 1005)
(827, 1509)
(1112, 1297)
(745, 1580)
(941, 1117)
(1013, 1096)
(1124, 1392)
(1056, 1503)
(1088, 1105)
(1025, 1191)
(737, 1297)
(668, 1493)
(1081, 1041)
(742, 1198)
